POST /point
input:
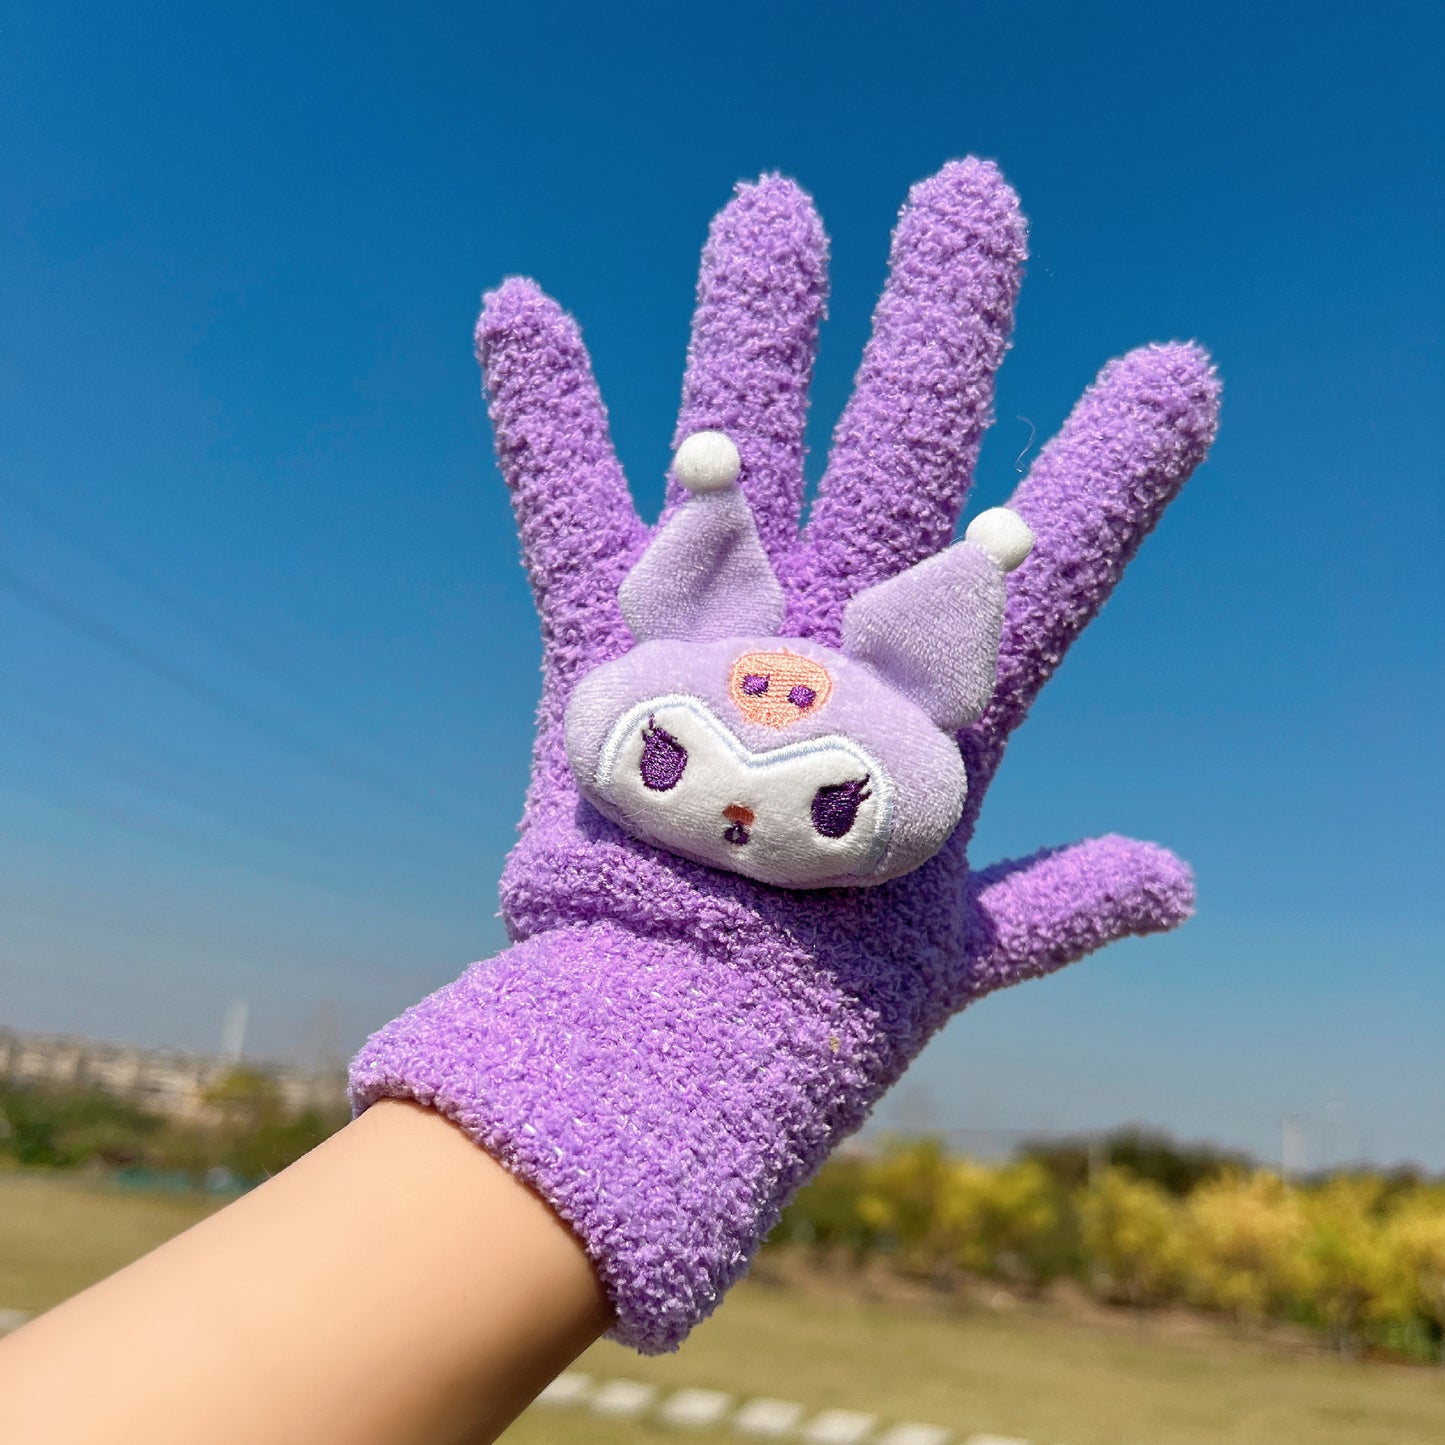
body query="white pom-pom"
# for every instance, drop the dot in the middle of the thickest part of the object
(707, 461)
(1003, 534)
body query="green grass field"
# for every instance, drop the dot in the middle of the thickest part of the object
(1045, 1380)
(1035, 1375)
(59, 1234)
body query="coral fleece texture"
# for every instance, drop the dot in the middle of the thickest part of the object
(667, 1051)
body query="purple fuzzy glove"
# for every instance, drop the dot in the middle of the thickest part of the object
(668, 1051)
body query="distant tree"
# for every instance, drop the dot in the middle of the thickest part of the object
(1146, 1154)
(258, 1135)
(56, 1127)
(246, 1099)
(825, 1214)
(249, 1131)
(266, 1150)
(187, 1148)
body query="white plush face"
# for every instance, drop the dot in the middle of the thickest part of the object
(811, 811)
(778, 757)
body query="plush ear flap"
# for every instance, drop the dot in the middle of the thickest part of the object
(932, 632)
(705, 575)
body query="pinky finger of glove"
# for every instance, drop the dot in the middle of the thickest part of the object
(579, 531)
(1030, 916)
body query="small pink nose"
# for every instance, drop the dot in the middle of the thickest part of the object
(736, 813)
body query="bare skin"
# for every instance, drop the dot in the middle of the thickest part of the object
(394, 1287)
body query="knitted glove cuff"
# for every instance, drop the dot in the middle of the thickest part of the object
(664, 1103)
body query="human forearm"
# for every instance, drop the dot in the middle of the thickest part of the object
(394, 1287)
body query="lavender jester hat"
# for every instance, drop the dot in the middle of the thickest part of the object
(667, 1051)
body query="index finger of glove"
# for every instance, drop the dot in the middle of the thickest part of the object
(904, 451)
(761, 293)
(579, 530)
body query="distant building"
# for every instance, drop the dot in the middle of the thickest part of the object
(172, 1082)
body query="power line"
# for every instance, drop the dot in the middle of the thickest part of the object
(150, 780)
(175, 834)
(168, 599)
(100, 936)
(102, 634)
(184, 607)
(164, 782)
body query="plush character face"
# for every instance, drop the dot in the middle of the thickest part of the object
(809, 812)
(782, 759)
(790, 764)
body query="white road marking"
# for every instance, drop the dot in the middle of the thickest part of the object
(768, 1419)
(694, 1409)
(839, 1427)
(622, 1399)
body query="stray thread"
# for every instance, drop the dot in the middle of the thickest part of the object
(1033, 432)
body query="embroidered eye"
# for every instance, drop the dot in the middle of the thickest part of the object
(835, 807)
(802, 697)
(663, 759)
(755, 684)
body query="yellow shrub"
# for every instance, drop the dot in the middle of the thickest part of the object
(1133, 1237)
(999, 1219)
(1413, 1246)
(1363, 1255)
(1344, 1260)
(1244, 1235)
(899, 1201)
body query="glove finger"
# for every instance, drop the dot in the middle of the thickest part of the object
(579, 530)
(1031, 916)
(761, 293)
(904, 451)
(1094, 494)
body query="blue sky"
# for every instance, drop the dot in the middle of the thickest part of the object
(267, 659)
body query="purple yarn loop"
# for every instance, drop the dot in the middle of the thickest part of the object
(667, 1052)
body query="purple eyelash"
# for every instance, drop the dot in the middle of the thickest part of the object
(835, 806)
(802, 697)
(663, 759)
(755, 684)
